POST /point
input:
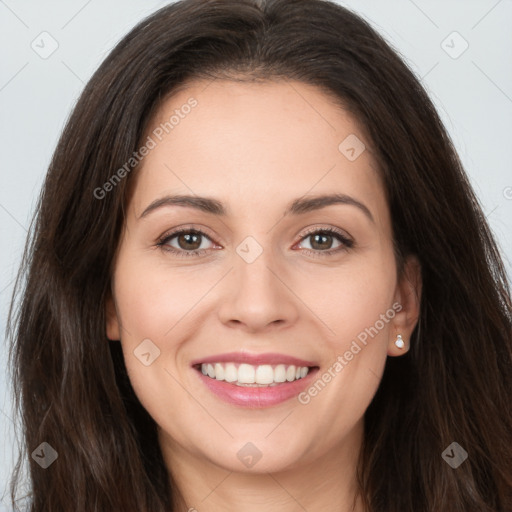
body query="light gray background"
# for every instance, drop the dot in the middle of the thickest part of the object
(472, 92)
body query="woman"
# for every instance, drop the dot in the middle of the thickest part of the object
(186, 341)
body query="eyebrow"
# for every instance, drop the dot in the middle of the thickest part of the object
(298, 206)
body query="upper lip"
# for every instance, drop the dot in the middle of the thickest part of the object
(254, 359)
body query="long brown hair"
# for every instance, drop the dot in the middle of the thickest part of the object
(455, 384)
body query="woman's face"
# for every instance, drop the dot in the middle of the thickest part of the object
(259, 294)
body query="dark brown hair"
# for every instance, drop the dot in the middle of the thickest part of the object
(455, 384)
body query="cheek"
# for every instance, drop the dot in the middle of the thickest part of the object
(152, 300)
(356, 305)
(152, 305)
(352, 300)
(160, 308)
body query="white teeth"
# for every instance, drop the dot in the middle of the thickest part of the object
(219, 372)
(247, 374)
(290, 373)
(231, 373)
(280, 373)
(264, 374)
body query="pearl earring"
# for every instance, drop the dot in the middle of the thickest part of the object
(399, 342)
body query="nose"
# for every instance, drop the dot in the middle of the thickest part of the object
(258, 296)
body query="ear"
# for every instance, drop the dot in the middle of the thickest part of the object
(112, 321)
(407, 295)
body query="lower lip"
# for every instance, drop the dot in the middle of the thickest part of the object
(256, 397)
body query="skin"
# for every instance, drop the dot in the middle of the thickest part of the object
(256, 147)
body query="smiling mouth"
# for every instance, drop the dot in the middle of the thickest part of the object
(248, 375)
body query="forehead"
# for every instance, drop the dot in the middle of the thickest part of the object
(255, 143)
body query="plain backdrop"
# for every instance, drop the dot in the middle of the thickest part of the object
(460, 49)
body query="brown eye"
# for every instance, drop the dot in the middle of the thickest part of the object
(184, 242)
(188, 240)
(322, 240)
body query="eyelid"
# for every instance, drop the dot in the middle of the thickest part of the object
(327, 229)
(185, 228)
(345, 240)
(163, 240)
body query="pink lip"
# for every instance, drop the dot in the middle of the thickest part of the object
(254, 359)
(256, 397)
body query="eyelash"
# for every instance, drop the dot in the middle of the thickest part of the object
(346, 243)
